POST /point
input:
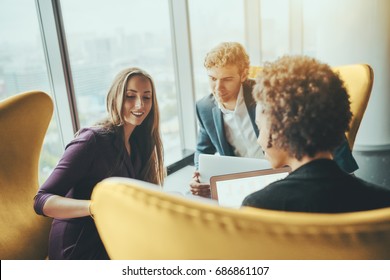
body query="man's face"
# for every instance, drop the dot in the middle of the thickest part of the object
(225, 83)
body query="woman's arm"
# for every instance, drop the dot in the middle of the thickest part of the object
(55, 197)
(61, 207)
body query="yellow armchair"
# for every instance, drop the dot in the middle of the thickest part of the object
(24, 119)
(358, 80)
(136, 220)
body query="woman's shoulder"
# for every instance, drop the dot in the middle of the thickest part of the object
(93, 135)
(87, 133)
(96, 131)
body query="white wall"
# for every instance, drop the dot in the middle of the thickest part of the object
(356, 31)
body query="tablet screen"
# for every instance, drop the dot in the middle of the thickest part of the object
(231, 189)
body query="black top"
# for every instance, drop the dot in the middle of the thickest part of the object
(320, 186)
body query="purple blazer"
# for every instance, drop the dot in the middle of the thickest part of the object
(92, 156)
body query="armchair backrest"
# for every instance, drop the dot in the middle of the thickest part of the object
(358, 80)
(136, 220)
(24, 119)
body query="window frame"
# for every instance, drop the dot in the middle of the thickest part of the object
(60, 75)
(61, 81)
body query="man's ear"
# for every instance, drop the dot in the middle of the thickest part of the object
(244, 75)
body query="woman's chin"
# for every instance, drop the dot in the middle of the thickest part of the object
(135, 121)
(276, 164)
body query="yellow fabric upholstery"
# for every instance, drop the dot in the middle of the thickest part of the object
(136, 220)
(24, 119)
(358, 80)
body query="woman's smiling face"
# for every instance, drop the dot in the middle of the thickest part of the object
(138, 100)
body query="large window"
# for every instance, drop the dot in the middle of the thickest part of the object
(123, 33)
(211, 23)
(275, 29)
(167, 38)
(23, 67)
(114, 35)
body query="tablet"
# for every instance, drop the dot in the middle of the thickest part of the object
(213, 165)
(231, 189)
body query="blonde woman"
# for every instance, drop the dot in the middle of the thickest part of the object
(126, 144)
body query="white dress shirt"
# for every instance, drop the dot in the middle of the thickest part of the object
(239, 129)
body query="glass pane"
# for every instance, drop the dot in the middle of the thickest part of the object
(335, 36)
(274, 16)
(23, 67)
(211, 23)
(118, 34)
(311, 13)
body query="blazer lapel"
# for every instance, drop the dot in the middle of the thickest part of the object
(218, 122)
(252, 115)
(250, 104)
(118, 142)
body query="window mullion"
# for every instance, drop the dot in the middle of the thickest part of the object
(183, 70)
(57, 61)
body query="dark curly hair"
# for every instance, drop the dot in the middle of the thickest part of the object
(306, 103)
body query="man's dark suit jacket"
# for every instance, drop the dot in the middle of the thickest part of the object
(212, 139)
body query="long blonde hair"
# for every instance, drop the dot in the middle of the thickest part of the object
(146, 136)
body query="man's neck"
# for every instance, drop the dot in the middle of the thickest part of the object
(230, 105)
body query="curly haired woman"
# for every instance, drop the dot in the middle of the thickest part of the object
(303, 112)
